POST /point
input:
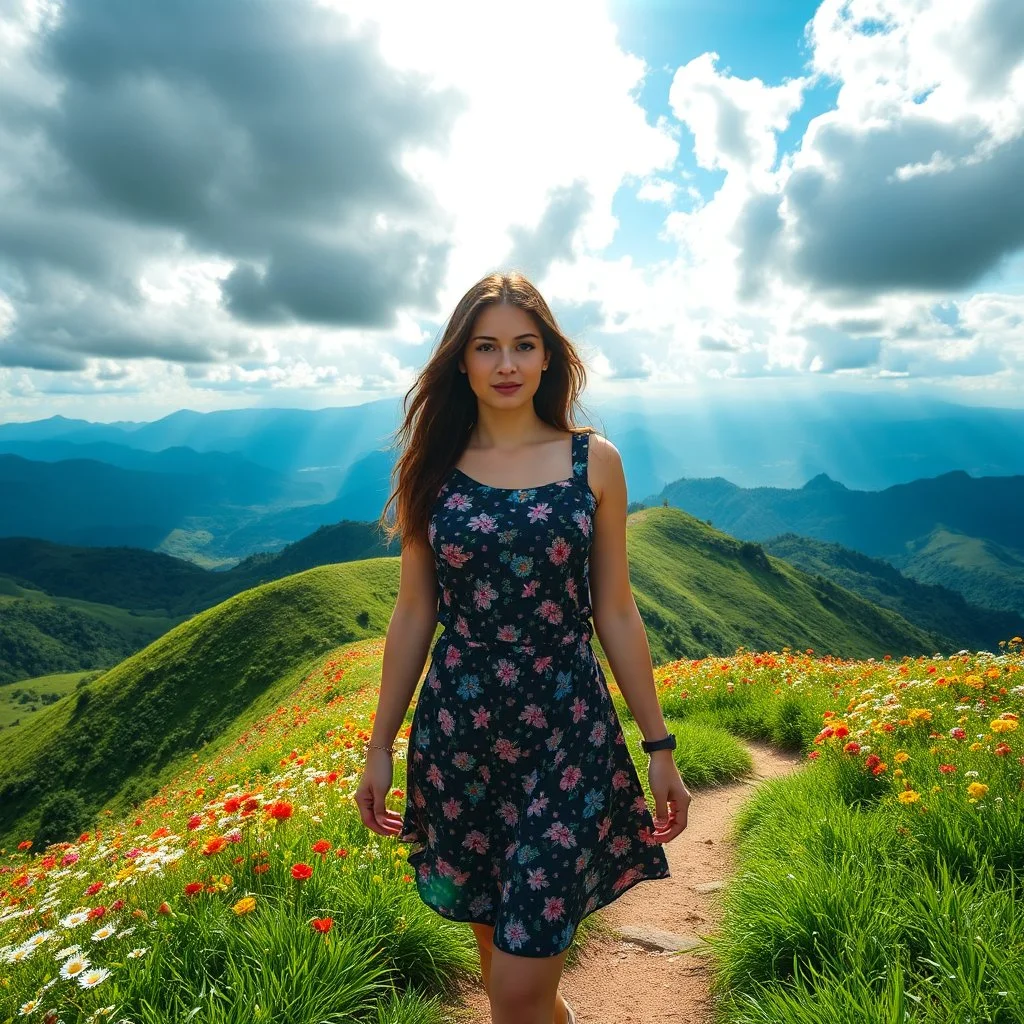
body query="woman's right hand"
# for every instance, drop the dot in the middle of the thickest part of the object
(372, 793)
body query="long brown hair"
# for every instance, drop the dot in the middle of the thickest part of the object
(440, 408)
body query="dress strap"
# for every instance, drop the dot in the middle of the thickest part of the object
(580, 454)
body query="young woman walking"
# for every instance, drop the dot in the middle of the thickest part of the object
(524, 809)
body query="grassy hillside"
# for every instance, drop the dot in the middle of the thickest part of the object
(115, 736)
(703, 592)
(40, 634)
(927, 605)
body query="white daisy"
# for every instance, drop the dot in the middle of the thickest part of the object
(76, 917)
(136, 953)
(38, 939)
(74, 967)
(30, 1007)
(67, 951)
(104, 933)
(92, 977)
(20, 955)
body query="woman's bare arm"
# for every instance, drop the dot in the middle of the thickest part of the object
(407, 642)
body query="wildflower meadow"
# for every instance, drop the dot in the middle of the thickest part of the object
(880, 884)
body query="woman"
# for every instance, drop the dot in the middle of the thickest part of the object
(524, 808)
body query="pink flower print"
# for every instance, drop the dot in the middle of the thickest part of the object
(447, 721)
(560, 756)
(570, 777)
(481, 718)
(560, 834)
(483, 595)
(483, 522)
(554, 739)
(570, 589)
(515, 933)
(418, 798)
(533, 715)
(536, 878)
(476, 841)
(444, 869)
(582, 520)
(639, 804)
(452, 808)
(583, 860)
(485, 773)
(619, 845)
(455, 556)
(508, 812)
(646, 835)
(452, 657)
(579, 709)
(529, 589)
(554, 908)
(433, 680)
(461, 877)
(462, 760)
(626, 879)
(603, 827)
(542, 664)
(620, 780)
(506, 672)
(539, 511)
(559, 551)
(462, 626)
(431, 532)
(507, 751)
(508, 634)
(435, 777)
(537, 806)
(424, 872)
(598, 733)
(550, 611)
(460, 501)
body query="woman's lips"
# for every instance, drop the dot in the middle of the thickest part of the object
(506, 389)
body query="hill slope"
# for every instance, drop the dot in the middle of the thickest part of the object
(928, 605)
(114, 736)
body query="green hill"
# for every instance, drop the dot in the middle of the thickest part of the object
(80, 607)
(928, 605)
(703, 592)
(699, 591)
(115, 737)
(41, 634)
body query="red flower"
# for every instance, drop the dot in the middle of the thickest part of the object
(321, 846)
(258, 869)
(194, 822)
(279, 810)
(214, 845)
(25, 844)
(322, 924)
(94, 888)
(164, 908)
(301, 871)
(193, 888)
(97, 912)
(117, 905)
(947, 769)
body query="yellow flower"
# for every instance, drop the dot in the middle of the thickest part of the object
(919, 715)
(901, 756)
(977, 790)
(1002, 725)
(936, 789)
(245, 905)
(975, 747)
(909, 796)
(898, 774)
(974, 682)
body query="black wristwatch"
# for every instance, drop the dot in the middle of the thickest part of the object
(668, 743)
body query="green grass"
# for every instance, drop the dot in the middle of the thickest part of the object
(20, 701)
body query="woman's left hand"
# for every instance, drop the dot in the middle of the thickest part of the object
(671, 797)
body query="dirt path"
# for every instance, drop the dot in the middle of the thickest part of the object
(620, 981)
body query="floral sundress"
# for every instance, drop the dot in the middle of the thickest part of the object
(523, 806)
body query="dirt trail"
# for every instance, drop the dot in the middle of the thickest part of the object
(620, 981)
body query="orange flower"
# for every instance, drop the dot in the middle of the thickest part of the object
(214, 845)
(258, 869)
(164, 908)
(301, 871)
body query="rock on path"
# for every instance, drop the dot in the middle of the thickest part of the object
(639, 980)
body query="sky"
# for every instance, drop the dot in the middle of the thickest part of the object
(214, 204)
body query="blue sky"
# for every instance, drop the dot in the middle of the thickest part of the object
(255, 204)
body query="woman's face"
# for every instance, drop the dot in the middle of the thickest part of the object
(504, 348)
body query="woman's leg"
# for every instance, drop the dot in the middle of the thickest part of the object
(485, 942)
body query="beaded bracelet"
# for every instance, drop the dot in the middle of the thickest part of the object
(377, 746)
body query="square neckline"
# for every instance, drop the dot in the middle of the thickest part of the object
(567, 481)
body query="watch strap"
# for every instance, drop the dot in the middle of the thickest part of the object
(668, 743)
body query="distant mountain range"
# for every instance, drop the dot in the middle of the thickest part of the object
(256, 479)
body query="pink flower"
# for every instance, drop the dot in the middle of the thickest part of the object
(435, 777)
(484, 523)
(541, 664)
(579, 709)
(559, 551)
(476, 841)
(536, 878)
(620, 780)
(507, 750)
(447, 721)
(483, 595)
(460, 501)
(452, 657)
(508, 812)
(539, 511)
(619, 845)
(507, 672)
(560, 834)
(554, 908)
(452, 808)
(508, 634)
(533, 715)
(570, 777)
(537, 806)
(481, 718)
(550, 611)
(455, 556)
